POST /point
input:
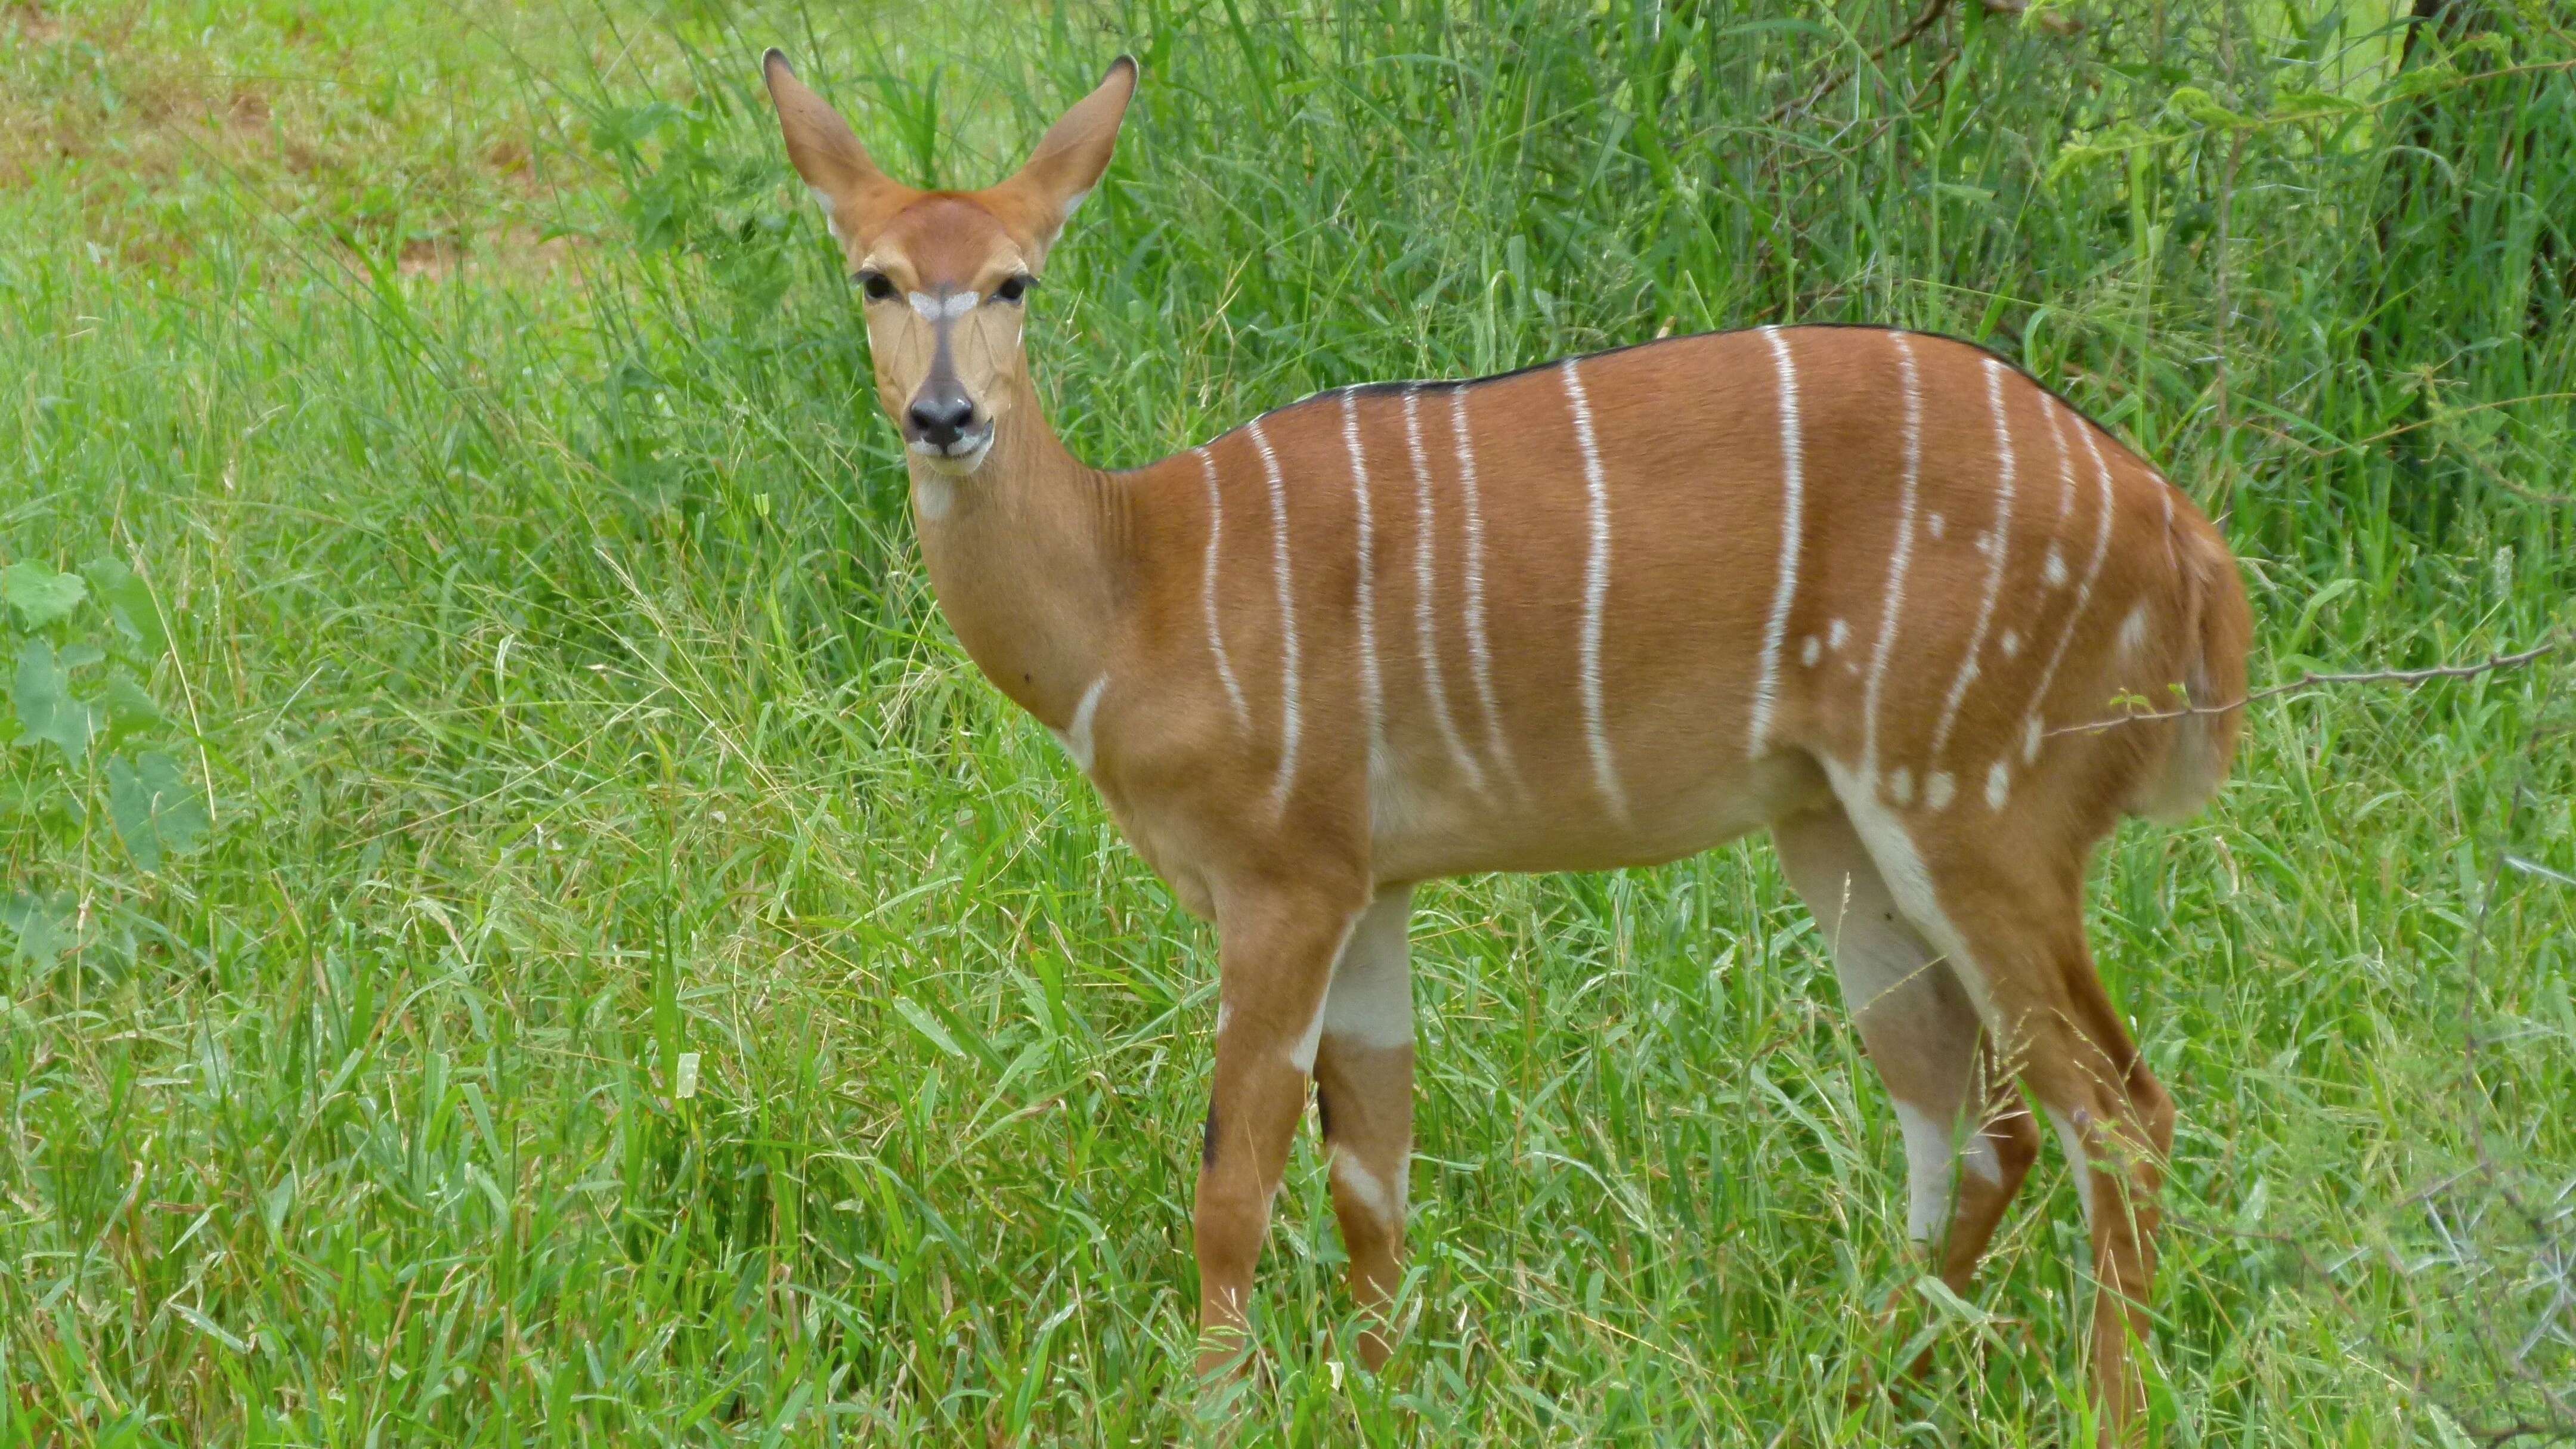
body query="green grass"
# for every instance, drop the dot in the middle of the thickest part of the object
(566, 715)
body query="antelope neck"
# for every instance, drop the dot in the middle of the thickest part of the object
(1027, 556)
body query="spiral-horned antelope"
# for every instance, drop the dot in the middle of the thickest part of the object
(1846, 583)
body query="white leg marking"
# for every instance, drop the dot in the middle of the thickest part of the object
(1931, 1172)
(1207, 588)
(1076, 735)
(2079, 1161)
(1288, 721)
(1938, 787)
(1967, 674)
(1891, 848)
(1900, 865)
(1900, 783)
(1370, 1001)
(1365, 600)
(1978, 1152)
(1837, 634)
(1382, 1203)
(1596, 592)
(1792, 506)
(2133, 630)
(1301, 1054)
(1479, 654)
(1811, 651)
(2033, 730)
(1426, 639)
(1998, 784)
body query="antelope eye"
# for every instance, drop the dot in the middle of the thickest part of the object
(1014, 288)
(875, 286)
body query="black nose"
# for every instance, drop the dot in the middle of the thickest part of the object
(939, 415)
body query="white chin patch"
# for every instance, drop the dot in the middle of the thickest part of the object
(956, 459)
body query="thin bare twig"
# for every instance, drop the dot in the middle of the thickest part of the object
(1933, 10)
(2312, 680)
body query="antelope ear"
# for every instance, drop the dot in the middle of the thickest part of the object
(1071, 156)
(856, 196)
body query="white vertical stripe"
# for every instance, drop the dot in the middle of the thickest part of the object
(1207, 587)
(1364, 599)
(1426, 638)
(2172, 560)
(2049, 404)
(1792, 489)
(1076, 735)
(2033, 729)
(1897, 565)
(1289, 724)
(2000, 546)
(1596, 591)
(1480, 654)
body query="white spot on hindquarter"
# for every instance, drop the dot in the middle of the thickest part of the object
(1480, 654)
(1076, 735)
(1899, 782)
(1215, 632)
(2032, 727)
(1426, 639)
(1998, 784)
(1792, 505)
(1935, 524)
(1596, 593)
(1900, 785)
(1938, 788)
(2053, 568)
(1837, 634)
(1811, 651)
(2010, 644)
(1364, 598)
(2133, 630)
(1288, 720)
(1994, 575)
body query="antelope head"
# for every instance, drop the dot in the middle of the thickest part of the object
(944, 274)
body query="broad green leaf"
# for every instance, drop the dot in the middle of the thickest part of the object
(157, 812)
(43, 927)
(40, 595)
(80, 655)
(129, 708)
(46, 710)
(129, 602)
